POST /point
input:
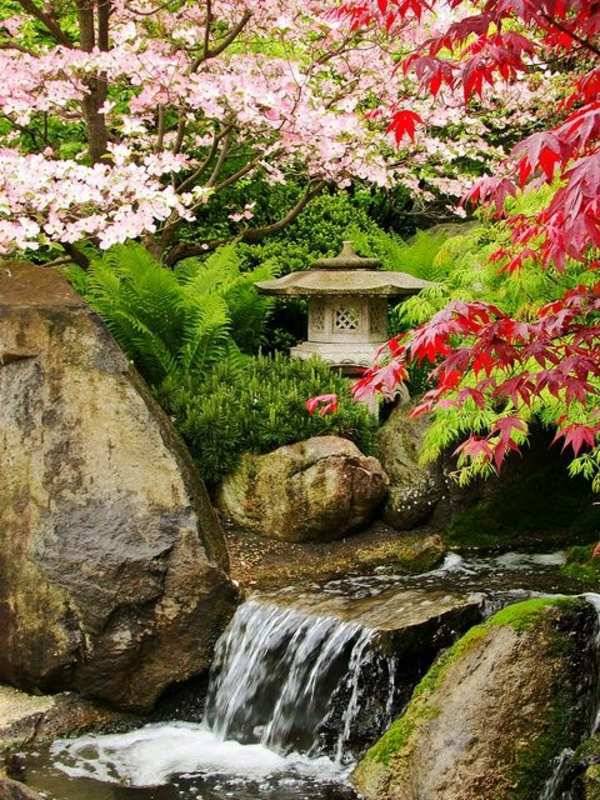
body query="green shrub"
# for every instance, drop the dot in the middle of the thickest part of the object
(259, 405)
(189, 332)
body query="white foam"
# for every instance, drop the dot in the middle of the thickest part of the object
(151, 755)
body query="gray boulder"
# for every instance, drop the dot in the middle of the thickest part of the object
(319, 489)
(113, 565)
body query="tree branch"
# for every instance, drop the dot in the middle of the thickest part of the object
(160, 136)
(585, 43)
(220, 161)
(224, 43)
(48, 20)
(250, 235)
(76, 255)
(207, 26)
(211, 154)
(253, 235)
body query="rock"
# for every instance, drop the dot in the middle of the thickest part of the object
(495, 710)
(319, 489)
(113, 564)
(404, 552)
(27, 720)
(414, 490)
(13, 790)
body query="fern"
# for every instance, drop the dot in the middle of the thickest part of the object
(175, 326)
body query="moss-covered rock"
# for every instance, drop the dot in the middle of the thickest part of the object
(591, 782)
(319, 489)
(584, 775)
(406, 553)
(113, 565)
(493, 712)
(414, 489)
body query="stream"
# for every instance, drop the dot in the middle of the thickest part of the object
(302, 681)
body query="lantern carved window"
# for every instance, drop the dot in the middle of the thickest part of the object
(347, 318)
(318, 317)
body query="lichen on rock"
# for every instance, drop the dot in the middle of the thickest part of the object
(319, 489)
(114, 565)
(414, 489)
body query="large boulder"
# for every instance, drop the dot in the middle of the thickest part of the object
(414, 489)
(495, 712)
(319, 489)
(113, 565)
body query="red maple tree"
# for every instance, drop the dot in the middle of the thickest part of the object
(479, 353)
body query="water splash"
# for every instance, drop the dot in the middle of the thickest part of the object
(293, 681)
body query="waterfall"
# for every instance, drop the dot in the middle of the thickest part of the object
(297, 682)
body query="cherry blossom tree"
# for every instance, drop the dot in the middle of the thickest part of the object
(493, 373)
(121, 120)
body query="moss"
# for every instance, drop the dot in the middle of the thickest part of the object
(560, 728)
(591, 783)
(589, 750)
(583, 568)
(519, 616)
(532, 766)
(587, 758)
(415, 555)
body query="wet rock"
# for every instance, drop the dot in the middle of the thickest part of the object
(319, 489)
(13, 790)
(494, 712)
(414, 490)
(404, 552)
(27, 720)
(113, 564)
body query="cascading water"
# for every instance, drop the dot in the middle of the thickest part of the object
(295, 682)
(301, 683)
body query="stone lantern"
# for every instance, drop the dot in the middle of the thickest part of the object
(347, 306)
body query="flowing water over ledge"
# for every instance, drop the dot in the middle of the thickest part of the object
(302, 681)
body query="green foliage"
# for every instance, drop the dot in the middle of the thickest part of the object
(189, 332)
(176, 325)
(319, 231)
(258, 405)
(416, 256)
(462, 270)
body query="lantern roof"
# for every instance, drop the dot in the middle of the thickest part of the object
(345, 274)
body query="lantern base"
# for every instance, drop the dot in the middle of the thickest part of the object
(349, 357)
